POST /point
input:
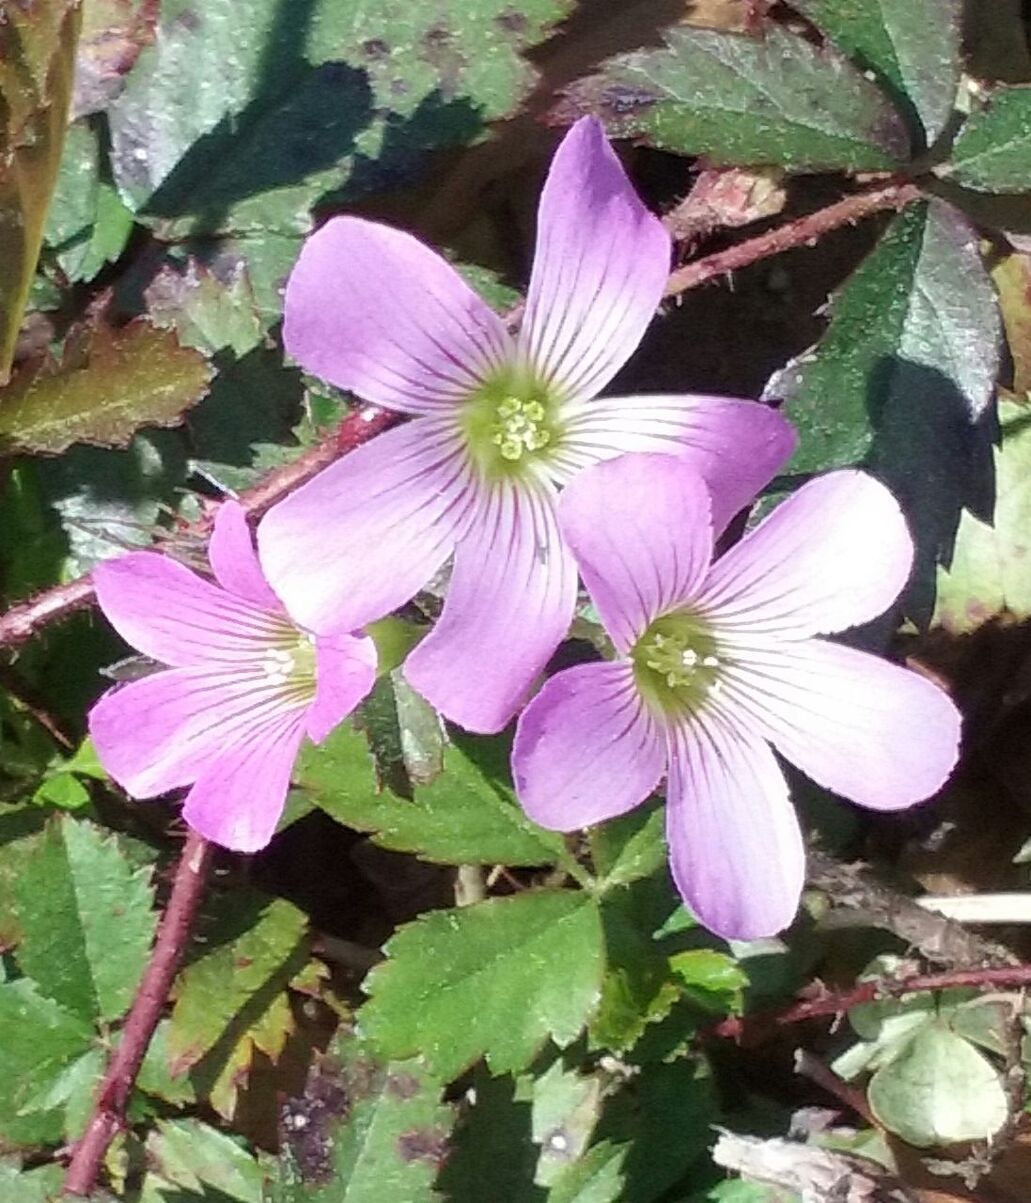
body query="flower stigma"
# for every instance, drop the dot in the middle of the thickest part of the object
(676, 664)
(509, 422)
(289, 664)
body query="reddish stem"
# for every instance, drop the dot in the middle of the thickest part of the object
(758, 1026)
(24, 620)
(108, 1117)
(803, 231)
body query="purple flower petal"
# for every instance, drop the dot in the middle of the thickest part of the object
(734, 842)
(586, 748)
(238, 799)
(369, 531)
(835, 554)
(866, 729)
(639, 528)
(737, 446)
(345, 672)
(599, 270)
(233, 558)
(509, 605)
(160, 733)
(371, 309)
(168, 612)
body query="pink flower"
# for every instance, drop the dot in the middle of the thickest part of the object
(500, 424)
(716, 662)
(244, 687)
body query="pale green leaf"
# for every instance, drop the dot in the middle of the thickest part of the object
(566, 1107)
(190, 1154)
(939, 1089)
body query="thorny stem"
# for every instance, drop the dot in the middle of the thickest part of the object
(802, 231)
(753, 1029)
(108, 1117)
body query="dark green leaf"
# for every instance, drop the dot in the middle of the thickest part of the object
(495, 979)
(912, 46)
(904, 379)
(466, 816)
(101, 393)
(370, 1132)
(596, 1178)
(629, 847)
(993, 150)
(566, 1106)
(743, 101)
(87, 920)
(404, 732)
(241, 126)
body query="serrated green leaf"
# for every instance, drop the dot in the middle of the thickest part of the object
(904, 379)
(73, 1092)
(405, 733)
(990, 571)
(937, 1090)
(495, 979)
(630, 847)
(912, 46)
(993, 150)
(189, 1154)
(385, 1138)
(230, 1000)
(103, 391)
(37, 57)
(746, 101)
(48, 1039)
(21, 830)
(207, 313)
(714, 976)
(241, 127)
(468, 815)
(87, 920)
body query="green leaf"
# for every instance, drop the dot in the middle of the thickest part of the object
(330, 95)
(371, 1131)
(566, 1106)
(990, 572)
(937, 1090)
(404, 732)
(492, 1155)
(904, 377)
(20, 832)
(468, 815)
(102, 391)
(495, 979)
(189, 1154)
(711, 977)
(630, 847)
(208, 313)
(30, 1186)
(230, 1001)
(993, 150)
(87, 920)
(49, 1038)
(37, 59)
(911, 46)
(596, 1178)
(744, 101)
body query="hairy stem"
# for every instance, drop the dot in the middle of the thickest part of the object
(108, 1116)
(802, 231)
(758, 1026)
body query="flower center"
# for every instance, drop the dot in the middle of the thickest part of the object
(290, 664)
(509, 422)
(676, 664)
